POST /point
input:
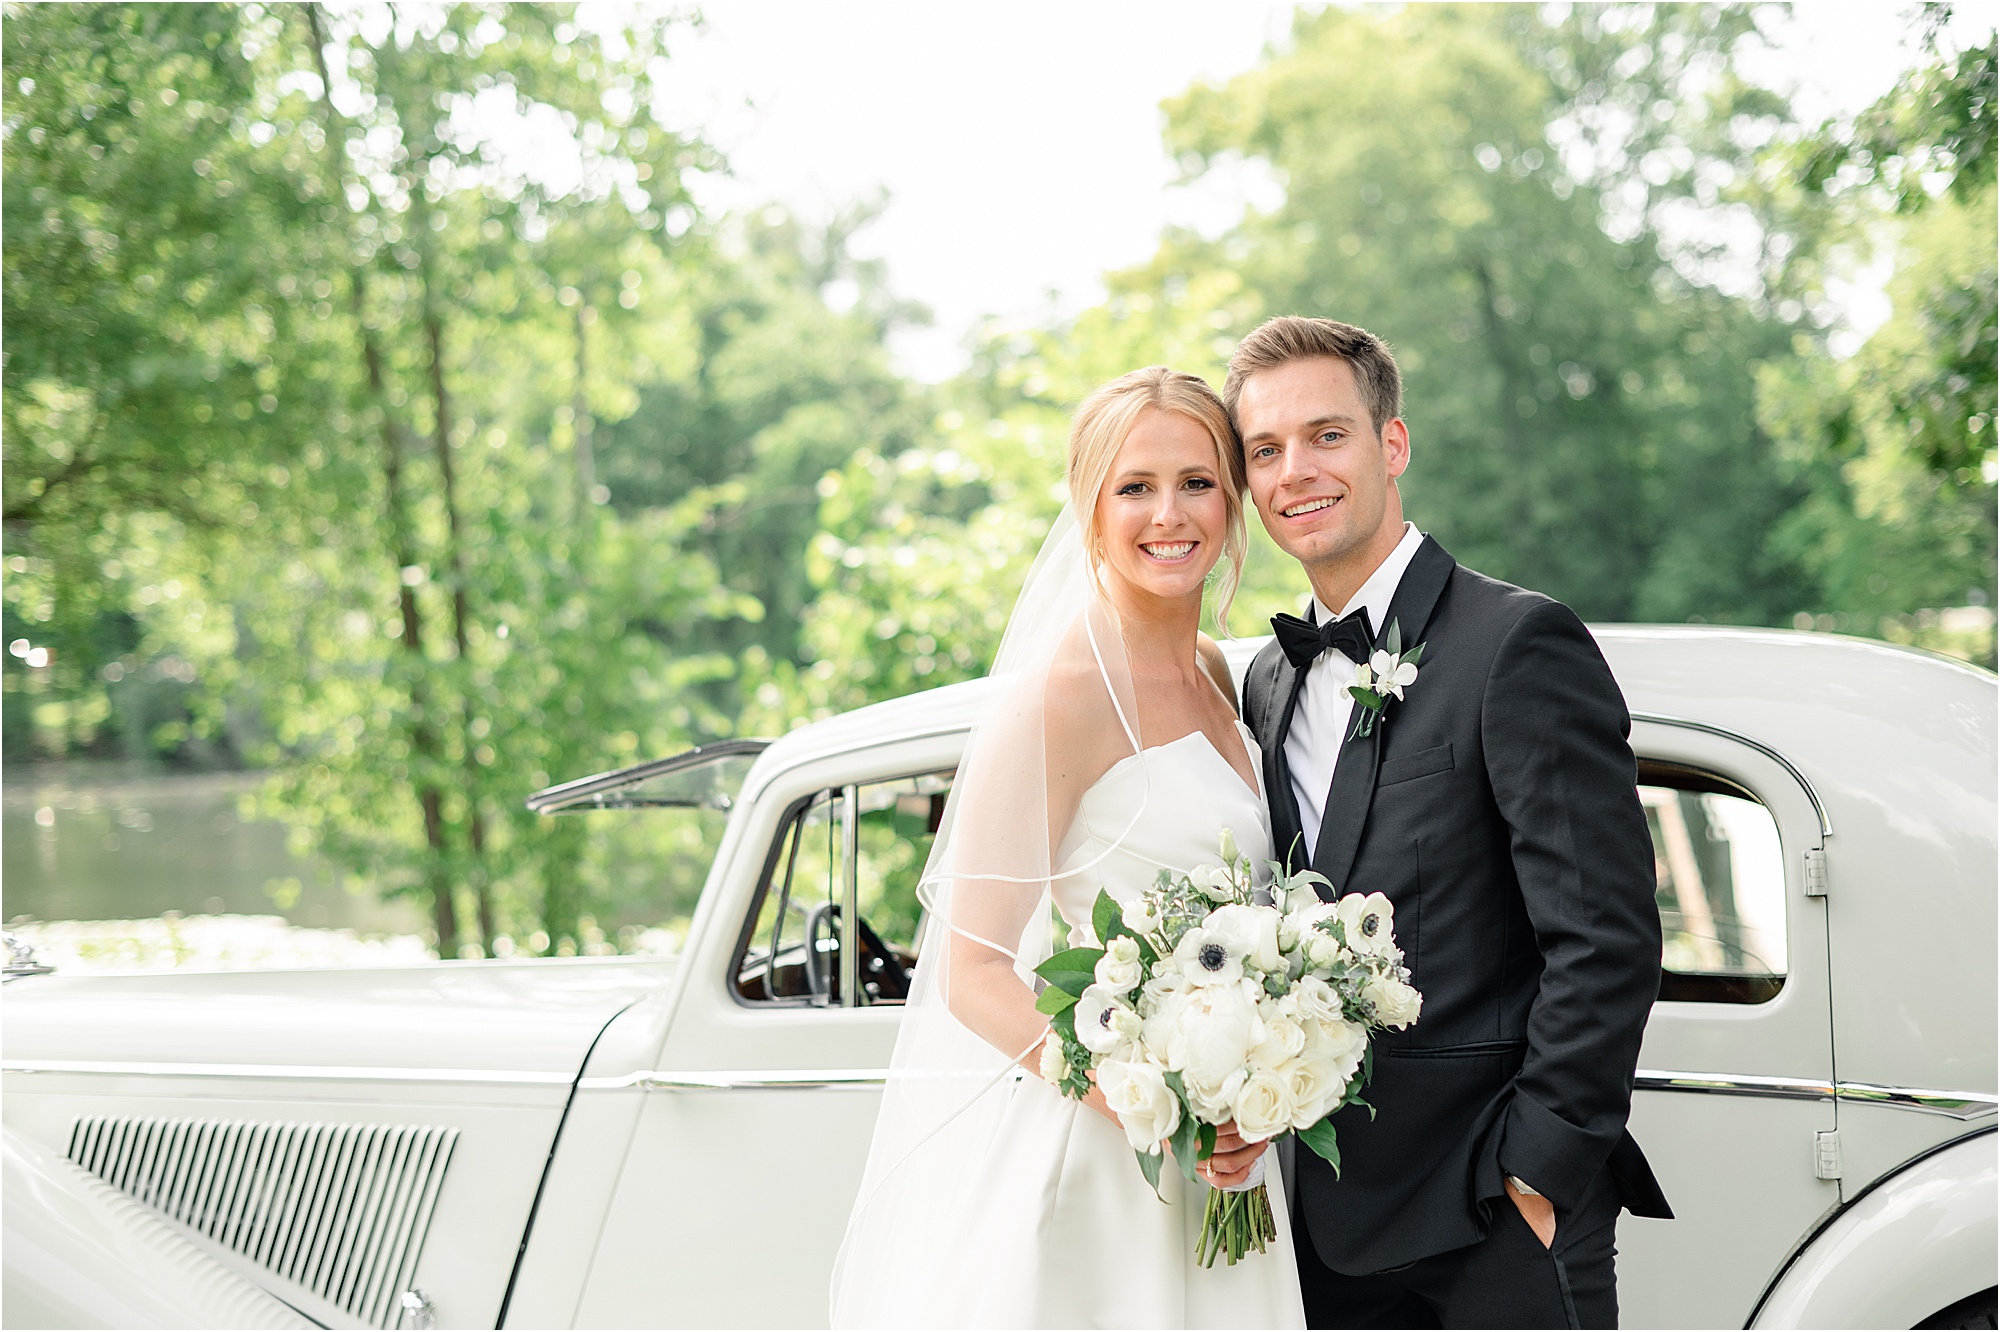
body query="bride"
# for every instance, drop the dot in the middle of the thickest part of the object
(1107, 749)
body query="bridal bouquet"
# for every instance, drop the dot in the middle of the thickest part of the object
(1198, 1005)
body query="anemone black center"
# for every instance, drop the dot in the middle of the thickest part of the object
(1369, 924)
(1212, 956)
(1104, 1018)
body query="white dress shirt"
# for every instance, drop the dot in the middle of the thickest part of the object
(1319, 724)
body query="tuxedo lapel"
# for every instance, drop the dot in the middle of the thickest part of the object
(1286, 827)
(1353, 789)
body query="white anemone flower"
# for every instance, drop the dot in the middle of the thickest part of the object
(1392, 676)
(1250, 932)
(1105, 1023)
(1369, 921)
(1205, 959)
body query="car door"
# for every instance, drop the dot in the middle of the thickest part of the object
(754, 1114)
(1734, 1092)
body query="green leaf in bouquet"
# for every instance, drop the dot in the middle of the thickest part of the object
(1206, 1148)
(1149, 1166)
(1393, 643)
(1320, 1137)
(1054, 1000)
(1106, 918)
(1186, 1139)
(1073, 969)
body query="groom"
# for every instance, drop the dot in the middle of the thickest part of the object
(1495, 805)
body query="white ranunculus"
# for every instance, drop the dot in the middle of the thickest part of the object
(1054, 1067)
(1283, 1039)
(1099, 1024)
(1213, 1033)
(1250, 932)
(1369, 921)
(1207, 960)
(1315, 1002)
(1264, 1106)
(1119, 969)
(1138, 1094)
(1396, 1004)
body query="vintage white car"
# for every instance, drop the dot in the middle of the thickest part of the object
(629, 1141)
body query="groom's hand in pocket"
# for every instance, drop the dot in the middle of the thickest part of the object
(1233, 1158)
(1537, 1211)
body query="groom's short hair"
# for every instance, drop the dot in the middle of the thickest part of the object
(1295, 338)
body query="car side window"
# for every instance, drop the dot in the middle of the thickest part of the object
(1719, 871)
(789, 952)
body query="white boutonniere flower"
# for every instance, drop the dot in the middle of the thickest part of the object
(1385, 675)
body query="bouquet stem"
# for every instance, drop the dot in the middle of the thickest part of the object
(1232, 1224)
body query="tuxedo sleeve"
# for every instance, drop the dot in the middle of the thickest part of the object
(1555, 729)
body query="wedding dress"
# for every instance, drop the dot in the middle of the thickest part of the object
(990, 1199)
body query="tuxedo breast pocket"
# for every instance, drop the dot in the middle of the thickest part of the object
(1409, 767)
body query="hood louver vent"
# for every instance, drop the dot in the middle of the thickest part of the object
(339, 1210)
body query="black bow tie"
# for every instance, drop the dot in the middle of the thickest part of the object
(1303, 640)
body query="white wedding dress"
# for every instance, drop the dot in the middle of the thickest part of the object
(1068, 1233)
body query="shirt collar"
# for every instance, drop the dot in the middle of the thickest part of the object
(1380, 589)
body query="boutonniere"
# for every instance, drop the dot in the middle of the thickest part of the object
(1385, 675)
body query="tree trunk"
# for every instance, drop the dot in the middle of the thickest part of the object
(423, 736)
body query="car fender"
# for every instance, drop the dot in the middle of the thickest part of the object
(78, 1253)
(1922, 1238)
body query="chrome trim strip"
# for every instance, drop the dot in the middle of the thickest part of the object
(1732, 1084)
(786, 1079)
(299, 1072)
(1956, 1104)
(1661, 719)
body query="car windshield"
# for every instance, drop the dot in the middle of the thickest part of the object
(635, 846)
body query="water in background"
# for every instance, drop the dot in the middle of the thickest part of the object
(113, 842)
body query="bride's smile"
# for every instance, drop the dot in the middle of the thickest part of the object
(1162, 513)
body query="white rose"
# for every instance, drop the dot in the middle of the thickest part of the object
(1369, 922)
(1250, 932)
(1264, 1106)
(1146, 1106)
(1283, 1040)
(1119, 969)
(1341, 1042)
(1396, 1004)
(1315, 1001)
(1054, 1067)
(1315, 1085)
(1207, 960)
(1101, 1021)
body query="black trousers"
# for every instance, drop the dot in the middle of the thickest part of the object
(1506, 1280)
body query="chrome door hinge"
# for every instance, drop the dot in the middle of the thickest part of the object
(1826, 1154)
(1816, 872)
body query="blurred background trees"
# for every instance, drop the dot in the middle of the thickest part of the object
(383, 413)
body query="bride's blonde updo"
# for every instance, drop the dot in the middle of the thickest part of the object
(1099, 430)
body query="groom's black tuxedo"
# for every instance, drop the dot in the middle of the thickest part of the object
(1495, 806)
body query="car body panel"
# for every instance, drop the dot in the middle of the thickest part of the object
(1922, 1240)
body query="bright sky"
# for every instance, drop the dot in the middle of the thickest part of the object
(1019, 144)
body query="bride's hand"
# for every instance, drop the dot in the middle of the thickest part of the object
(1233, 1159)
